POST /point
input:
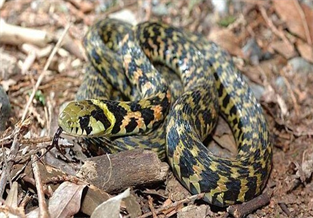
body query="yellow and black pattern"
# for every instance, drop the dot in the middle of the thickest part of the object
(211, 86)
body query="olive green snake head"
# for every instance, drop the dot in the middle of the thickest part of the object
(84, 118)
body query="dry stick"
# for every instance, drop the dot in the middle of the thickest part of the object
(304, 22)
(174, 205)
(241, 210)
(15, 145)
(284, 208)
(150, 202)
(43, 208)
(269, 22)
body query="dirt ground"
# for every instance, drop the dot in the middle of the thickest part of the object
(271, 43)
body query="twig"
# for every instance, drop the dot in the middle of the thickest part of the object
(43, 208)
(304, 22)
(25, 201)
(33, 141)
(284, 208)
(241, 210)
(44, 72)
(17, 35)
(174, 205)
(150, 202)
(271, 25)
(32, 181)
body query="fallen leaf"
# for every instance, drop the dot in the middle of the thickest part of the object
(11, 200)
(111, 207)
(306, 51)
(227, 40)
(132, 206)
(282, 48)
(92, 199)
(288, 12)
(65, 201)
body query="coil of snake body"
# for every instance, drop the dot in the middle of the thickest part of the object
(123, 96)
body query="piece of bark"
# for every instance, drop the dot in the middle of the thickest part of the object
(116, 172)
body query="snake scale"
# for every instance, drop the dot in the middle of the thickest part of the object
(124, 102)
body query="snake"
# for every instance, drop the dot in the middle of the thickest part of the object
(130, 98)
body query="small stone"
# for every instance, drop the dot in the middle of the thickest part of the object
(299, 64)
(193, 211)
(252, 51)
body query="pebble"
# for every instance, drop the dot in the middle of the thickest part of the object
(300, 65)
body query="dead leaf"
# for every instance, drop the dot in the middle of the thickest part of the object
(288, 12)
(282, 48)
(227, 40)
(306, 51)
(307, 164)
(11, 200)
(111, 207)
(132, 206)
(92, 199)
(65, 201)
(270, 96)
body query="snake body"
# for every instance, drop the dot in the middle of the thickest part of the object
(143, 115)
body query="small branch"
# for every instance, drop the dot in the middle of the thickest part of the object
(271, 25)
(174, 205)
(43, 208)
(32, 181)
(284, 208)
(17, 35)
(241, 210)
(150, 202)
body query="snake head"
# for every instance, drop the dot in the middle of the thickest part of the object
(85, 119)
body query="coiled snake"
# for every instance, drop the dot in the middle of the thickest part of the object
(124, 98)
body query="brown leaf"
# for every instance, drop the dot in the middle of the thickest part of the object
(111, 207)
(287, 10)
(227, 40)
(283, 49)
(305, 50)
(65, 201)
(92, 199)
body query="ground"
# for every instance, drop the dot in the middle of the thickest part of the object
(271, 43)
